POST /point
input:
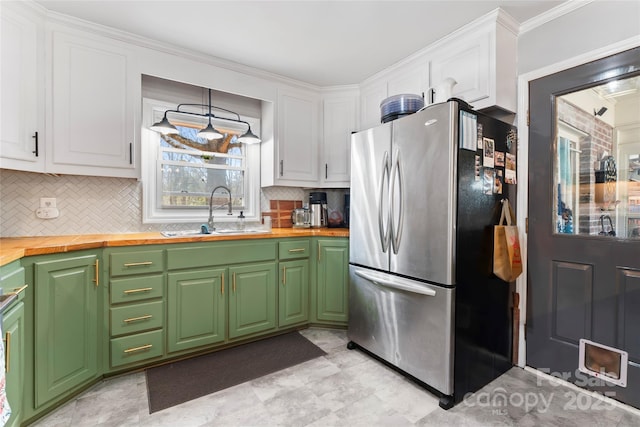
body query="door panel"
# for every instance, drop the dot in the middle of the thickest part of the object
(583, 275)
(370, 168)
(629, 283)
(572, 289)
(424, 159)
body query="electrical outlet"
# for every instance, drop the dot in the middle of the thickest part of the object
(47, 213)
(47, 202)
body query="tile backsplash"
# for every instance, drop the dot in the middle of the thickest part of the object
(90, 205)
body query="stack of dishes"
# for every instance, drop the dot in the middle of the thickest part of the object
(400, 105)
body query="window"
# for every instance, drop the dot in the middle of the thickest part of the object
(180, 171)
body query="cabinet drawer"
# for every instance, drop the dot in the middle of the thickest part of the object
(136, 288)
(11, 277)
(136, 317)
(136, 348)
(221, 253)
(138, 262)
(293, 249)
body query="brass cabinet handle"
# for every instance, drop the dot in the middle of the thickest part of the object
(319, 256)
(7, 352)
(284, 275)
(133, 291)
(222, 285)
(234, 282)
(142, 347)
(96, 280)
(135, 319)
(297, 250)
(16, 291)
(137, 264)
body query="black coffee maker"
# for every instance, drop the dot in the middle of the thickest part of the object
(318, 208)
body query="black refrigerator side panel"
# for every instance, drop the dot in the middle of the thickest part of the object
(483, 312)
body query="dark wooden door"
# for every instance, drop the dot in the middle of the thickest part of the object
(583, 259)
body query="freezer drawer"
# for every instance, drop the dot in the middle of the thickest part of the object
(405, 322)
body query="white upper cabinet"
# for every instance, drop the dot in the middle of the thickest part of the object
(411, 77)
(481, 58)
(371, 95)
(297, 138)
(339, 119)
(22, 76)
(93, 96)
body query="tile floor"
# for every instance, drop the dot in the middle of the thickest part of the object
(344, 388)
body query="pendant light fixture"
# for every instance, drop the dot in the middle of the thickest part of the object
(209, 132)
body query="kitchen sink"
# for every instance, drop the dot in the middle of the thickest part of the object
(217, 232)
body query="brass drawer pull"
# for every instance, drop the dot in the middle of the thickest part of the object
(96, 279)
(133, 291)
(7, 352)
(137, 264)
(142, 347)
(297, 250)
(135, 319)
(16, 291)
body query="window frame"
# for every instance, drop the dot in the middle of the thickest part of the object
(152, 212)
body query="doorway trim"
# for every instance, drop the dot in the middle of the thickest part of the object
(522, 207)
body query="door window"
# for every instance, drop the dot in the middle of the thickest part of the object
(597, 161)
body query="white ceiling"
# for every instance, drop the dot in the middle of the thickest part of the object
(323, 43)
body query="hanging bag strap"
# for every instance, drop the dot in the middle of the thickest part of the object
(506, 213)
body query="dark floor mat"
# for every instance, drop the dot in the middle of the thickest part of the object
(179, 382)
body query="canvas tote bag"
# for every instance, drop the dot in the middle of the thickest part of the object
(507, 264)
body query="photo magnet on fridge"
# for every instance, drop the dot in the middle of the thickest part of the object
(488, 150)
(510, 169)
(488, 183)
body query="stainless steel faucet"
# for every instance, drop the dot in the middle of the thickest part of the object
(230, 211)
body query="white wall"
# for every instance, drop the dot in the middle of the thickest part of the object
(590, 27)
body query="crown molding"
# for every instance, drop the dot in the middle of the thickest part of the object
(551, 14)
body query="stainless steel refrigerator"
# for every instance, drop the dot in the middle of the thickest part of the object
(425, 192)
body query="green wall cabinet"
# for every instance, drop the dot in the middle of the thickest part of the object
(332, 286)
(293, 293)
(196, 308)
(14, 340)
(67, 330)
(252, 300)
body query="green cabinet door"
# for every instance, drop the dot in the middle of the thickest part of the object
(332, 285)
(252, 300)
(293, 293)
(67, 332)
(196, 308)
(14, 336)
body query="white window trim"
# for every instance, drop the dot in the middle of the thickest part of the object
(152, 111)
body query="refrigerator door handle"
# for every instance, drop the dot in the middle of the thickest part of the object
(384, 234)
(395, 283)
(396, 230)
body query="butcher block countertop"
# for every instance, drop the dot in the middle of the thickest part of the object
(13, 248)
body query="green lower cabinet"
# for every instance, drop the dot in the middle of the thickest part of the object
(293, 293)
(332, 287)
(136, 348)
(67, 331)
(252, 299)
(196, 308)
(14, 338)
